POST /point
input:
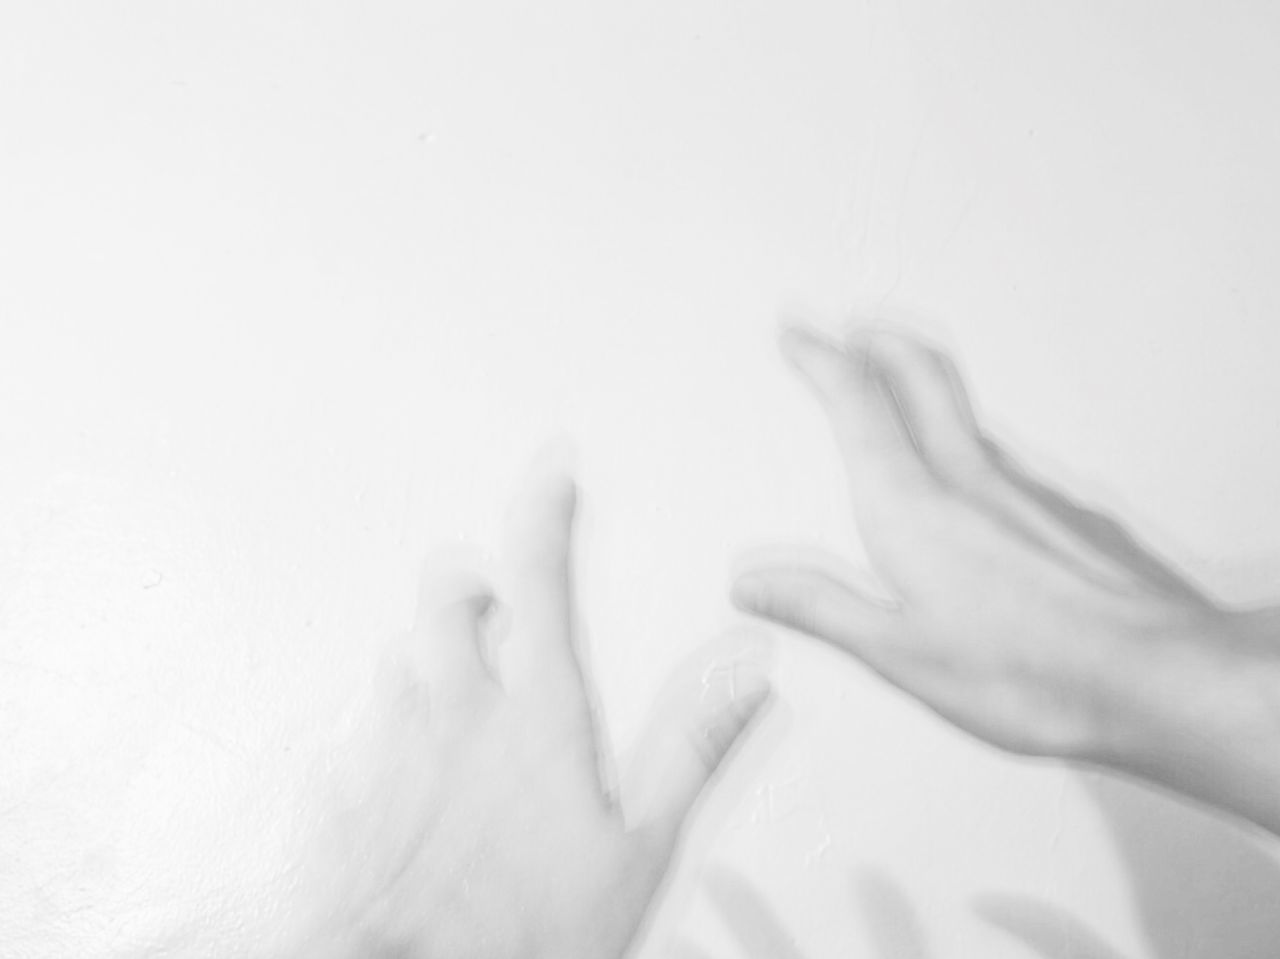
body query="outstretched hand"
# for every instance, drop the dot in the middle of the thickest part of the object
(484, 825)
(1033, 623)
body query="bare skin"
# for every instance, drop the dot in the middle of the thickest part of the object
(1033, 623)
(481, 825)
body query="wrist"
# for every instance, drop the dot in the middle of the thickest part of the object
(1205, 715)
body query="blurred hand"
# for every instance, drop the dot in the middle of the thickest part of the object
(482, 825)
(1035, 624)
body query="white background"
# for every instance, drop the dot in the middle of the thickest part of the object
(291, 294)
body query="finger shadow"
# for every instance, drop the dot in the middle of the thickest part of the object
(890, 919)
(1202, 885)
(1049, 931)
(686, 950)
(749, 918)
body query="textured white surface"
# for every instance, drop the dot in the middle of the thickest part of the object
(291, 293)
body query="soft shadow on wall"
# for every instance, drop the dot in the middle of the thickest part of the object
(892, 922)
(1203, 888)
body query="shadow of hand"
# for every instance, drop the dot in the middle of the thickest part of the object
(1051, 932)
(894, 929)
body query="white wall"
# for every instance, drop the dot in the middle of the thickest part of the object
(291, 293)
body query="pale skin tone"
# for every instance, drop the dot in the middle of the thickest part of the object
(462, 805)
(473, 814)
(1033, 623)
(484, 826)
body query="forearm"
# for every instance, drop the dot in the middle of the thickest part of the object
(1207, 722)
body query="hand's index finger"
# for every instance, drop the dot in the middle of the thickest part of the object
(884, 466)
(934, 405)
(545, 658)
(539, 551)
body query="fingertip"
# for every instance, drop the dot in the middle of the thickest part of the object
(748, 591)
(830, 368)
(550, 488)
(707, 742)
(802, 346)
(792, 334)
(730, 725)
(769, 593)
(557, 456)
(733, 687)
(561, 493)
(705, 719)
(753, 700)
(544, 512)
(751, 682)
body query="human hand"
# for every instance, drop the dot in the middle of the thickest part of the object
(1033, 623)
(481, 824)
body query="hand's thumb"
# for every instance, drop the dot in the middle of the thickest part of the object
(815, 603)
(695, 728)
